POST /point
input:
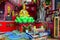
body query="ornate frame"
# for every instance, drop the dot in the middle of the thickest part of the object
(56, 27)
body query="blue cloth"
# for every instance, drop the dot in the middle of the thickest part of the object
(8, 33)
(43, 34)
(14, 37)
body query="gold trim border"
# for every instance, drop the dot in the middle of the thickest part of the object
(55, 26)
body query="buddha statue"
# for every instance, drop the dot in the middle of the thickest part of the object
(24, 12)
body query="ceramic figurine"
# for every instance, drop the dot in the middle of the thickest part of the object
(34, 30)
(42, 28)
(41, 12)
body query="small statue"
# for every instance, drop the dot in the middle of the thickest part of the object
(8, 8)
(9, 14)
(34, 30)
(41, 12)
(42, 28)
(24, 12)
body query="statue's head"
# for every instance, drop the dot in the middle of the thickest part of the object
(24, 6)
(8, 9)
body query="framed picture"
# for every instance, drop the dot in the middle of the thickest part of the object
(56, 27)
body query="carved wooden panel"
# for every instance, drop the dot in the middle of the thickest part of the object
(56, 27)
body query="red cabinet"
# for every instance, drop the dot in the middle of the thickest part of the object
(2, 26)
(6, 26)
